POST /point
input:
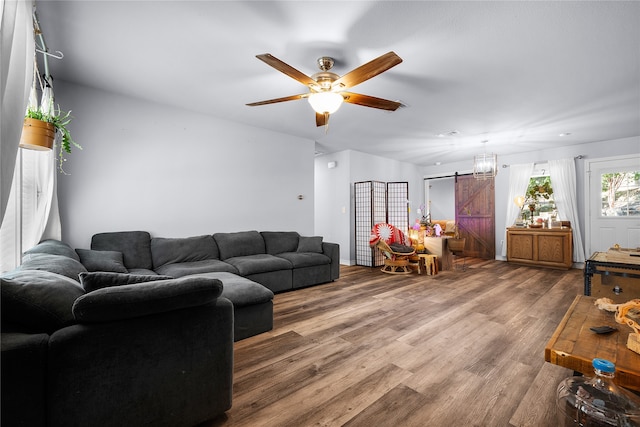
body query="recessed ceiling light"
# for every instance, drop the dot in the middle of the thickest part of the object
(437, 163)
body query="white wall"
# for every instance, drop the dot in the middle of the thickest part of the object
(176, 173)
(333, 201)
(591, 151)
(334, 192)
(442, 193)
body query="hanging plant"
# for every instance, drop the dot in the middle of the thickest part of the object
(46, 112)
(538, 189)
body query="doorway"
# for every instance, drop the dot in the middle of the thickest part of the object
(612, 219)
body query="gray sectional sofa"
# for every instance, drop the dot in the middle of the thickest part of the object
(139, 330)
(252, 265)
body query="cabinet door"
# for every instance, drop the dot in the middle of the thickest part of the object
(552, 248)
(520, 246)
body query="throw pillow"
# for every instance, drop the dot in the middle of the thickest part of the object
(102, 260)
(404, 249)
(53, 247)
(58, 264)
(39, 301)
(310, 244)
(97, 280)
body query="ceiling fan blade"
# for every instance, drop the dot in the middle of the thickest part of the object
(370, 101)
(367, 71)
(273, 101)
(322, 119)
(287, 69)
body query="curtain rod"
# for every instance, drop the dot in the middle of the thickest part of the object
(578, 157)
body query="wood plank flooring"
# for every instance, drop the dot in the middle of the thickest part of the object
(462, 348)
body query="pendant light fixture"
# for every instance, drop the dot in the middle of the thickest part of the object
(485, 166)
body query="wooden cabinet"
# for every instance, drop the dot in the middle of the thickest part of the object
(544, 247)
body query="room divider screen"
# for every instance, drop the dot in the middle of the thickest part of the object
(377, 202)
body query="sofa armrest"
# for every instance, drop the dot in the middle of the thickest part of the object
(166, 369)
(143, 299)
(332, 250)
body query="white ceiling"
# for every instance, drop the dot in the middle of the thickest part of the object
(514, 73)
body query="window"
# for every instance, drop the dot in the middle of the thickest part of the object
(25, 217)
(539, 201)
(620, 195)
(540, 192)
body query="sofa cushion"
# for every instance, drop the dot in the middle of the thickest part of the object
(91, 281)
(134, 245)
(53, 247)
(310, 244)
(239, 244)
(142, 299)
(142, 271)
(260, 263)
(58, 264)
(102, 260)
(403, 249)
(240, 290)
(305, 259)
(187, 249)
(40, 301)
(277, 242)
(181, 269)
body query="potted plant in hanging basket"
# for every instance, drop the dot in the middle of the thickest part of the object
(41, 123)
(536, 191)
(39, 130)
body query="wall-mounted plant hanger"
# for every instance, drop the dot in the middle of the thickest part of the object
(42, 121)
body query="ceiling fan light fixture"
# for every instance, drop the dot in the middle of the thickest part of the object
(325, 102)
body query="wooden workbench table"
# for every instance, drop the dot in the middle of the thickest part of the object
(574, 346)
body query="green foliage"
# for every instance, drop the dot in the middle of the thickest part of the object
(540, 187)
(612, 181)
(539, 190)
(619, 189)
(60, 120)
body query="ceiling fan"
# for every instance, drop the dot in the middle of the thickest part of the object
(327, 90)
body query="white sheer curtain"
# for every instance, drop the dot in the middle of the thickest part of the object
(17, 48)
(563, 180)
(519, 176)
(28, 187)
